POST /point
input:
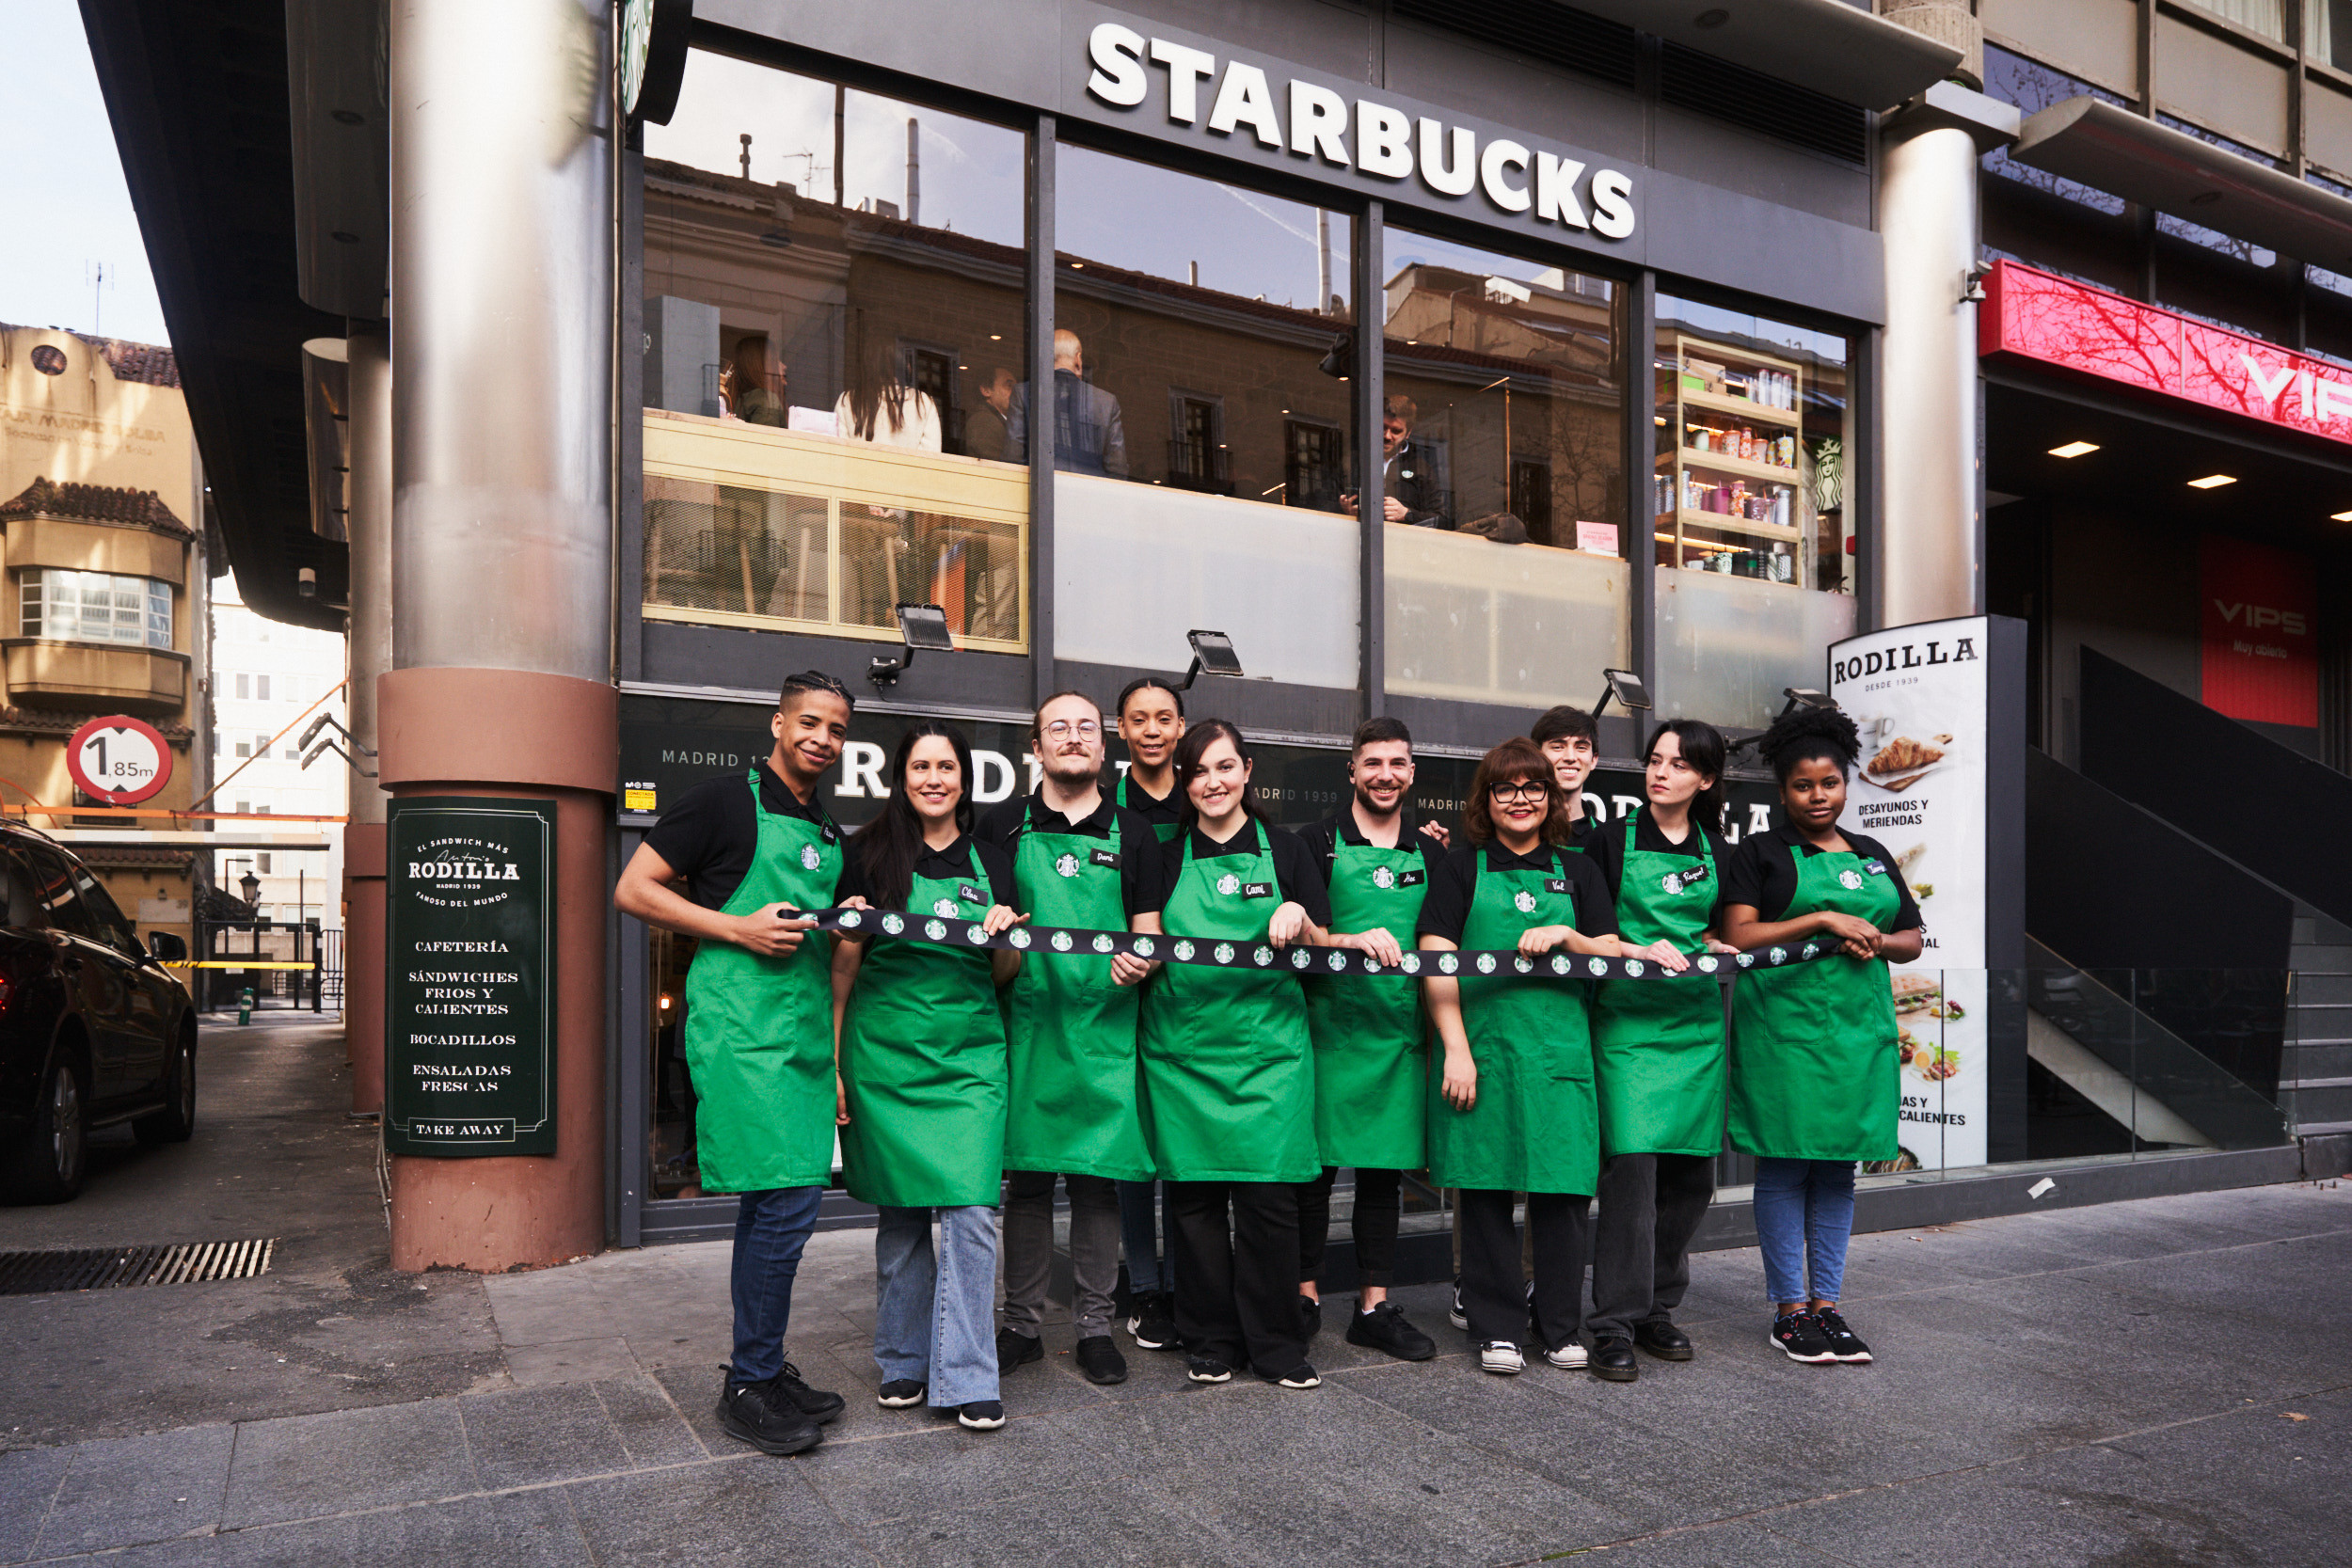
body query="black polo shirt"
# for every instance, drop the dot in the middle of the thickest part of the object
(1159, 811)
(1142, 883)
(1324, 839)
(951, 863)
(1295, 869)
(711, 834)
(1454, 882)
(1762, 874)
(1606, 847)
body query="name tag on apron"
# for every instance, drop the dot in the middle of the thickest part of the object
(969, 893)
(1105, 857)
(1411, 879)
(1257, 889)
(1876, 868)
(1555, 885)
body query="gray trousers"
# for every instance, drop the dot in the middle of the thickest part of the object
(1650, 1208)
(1029, 1249)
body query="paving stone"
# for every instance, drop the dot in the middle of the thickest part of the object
(306, 1467)
(29, 1478)
(756, 1511)
(127, 1489)
(531, 1435)
(569, 1361)
(652, 1427)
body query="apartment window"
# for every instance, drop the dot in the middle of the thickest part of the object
(95, 606)
(261, 862)
(245, 690)
(1196, 455)
(1312, 471)
(244, 750)
(261, 688)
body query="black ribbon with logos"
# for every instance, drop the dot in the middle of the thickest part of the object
(952, 931)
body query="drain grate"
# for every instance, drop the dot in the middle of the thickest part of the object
(24, 1273)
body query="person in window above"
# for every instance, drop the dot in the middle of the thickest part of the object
(759, 390)
(1658, 1050)
(1408, 471)
(1079, 861)
(986, 433)
(752, 853)
(1813, 1078)
(1372, 1047)
(1571, 741)
(1150, 719)
(1089, 432)
(921, 1080)
(1513, 1109)
(1229, 1070)
(879, 406)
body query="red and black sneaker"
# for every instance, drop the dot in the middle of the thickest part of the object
(1798, 1337)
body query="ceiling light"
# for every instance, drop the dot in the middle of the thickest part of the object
(2340, 516)
(2212, 481)
(2075, 448)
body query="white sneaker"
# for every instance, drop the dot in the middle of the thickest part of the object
(1454, 1314)
(1500, 1357)
(1569, 1357)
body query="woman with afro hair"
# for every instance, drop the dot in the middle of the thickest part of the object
(1815, 1053)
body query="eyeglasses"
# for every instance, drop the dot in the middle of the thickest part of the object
(1063, 729)
(1525, 789)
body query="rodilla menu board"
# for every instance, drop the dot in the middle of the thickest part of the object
(470, 940)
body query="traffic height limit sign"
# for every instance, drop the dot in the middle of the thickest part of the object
(118, 760)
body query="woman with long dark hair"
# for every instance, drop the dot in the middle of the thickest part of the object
(1813, 1075)
(919, 1052)
(1658, 1049)
(1513, 1110)
(878, 405)
(1229, 1101)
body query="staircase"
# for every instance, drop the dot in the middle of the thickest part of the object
(2315, 1075)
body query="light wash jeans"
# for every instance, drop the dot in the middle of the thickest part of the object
(1804, 1219)
(935, 1315)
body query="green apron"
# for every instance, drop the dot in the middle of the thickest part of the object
(923, 1060)
(1372, 1058)
(1229, 1089)
(1814, 1076)
(759, 1030)
(1071, 1032)
(1533, 1127)
(1657, 1045)
(1162, 831)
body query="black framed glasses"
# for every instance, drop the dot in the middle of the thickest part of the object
(1520, 789)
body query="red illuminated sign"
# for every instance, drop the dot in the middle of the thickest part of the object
(2259, 615)
(2054, 321)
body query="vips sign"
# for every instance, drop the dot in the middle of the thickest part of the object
(2260, 609)
(1919, 696)
(469, 1035)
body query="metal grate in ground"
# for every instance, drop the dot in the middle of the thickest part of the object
(24, 1274)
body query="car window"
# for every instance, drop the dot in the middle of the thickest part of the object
(20, 905)
(54, 885)
(106, 915)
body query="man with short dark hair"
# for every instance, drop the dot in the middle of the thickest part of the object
(752, 853)
(1571, 741)
(1408, 471)
(1372, 1051)
(1078, 860)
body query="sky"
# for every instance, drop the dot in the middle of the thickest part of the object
(61, 187)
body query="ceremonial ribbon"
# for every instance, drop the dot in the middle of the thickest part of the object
(949, 929)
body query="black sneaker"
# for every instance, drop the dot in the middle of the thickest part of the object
(1099, 1360)
(1013, 1347)
(1301, 1376)
(981, 1415)
(1154, 1326)
(1387, 1330)
(764, 1416)
(1662, 1339)
(899, 1393)
(1310, 1317)
(815, 1403)
(1206, 1369)
(1800, 1336)
(1844, 1343)
(1454, 1314)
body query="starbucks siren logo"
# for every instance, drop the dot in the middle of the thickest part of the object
(945, 907)
(936, 929)
(1224, 953)
(1745, 960)
(1228, 885)
(1598, 966)
(1486, 960)
(1338, 960)
(1849, 881)
(1143, 948)
(1779, 955)
(1672, 883)
(1103, 942)
(1262, 955)
(1383, 878)
(1062, 941)
(810, 858)
(1018, 937)
(1067, 865)
(1524, 900)
(1524, 964)
(894, 923)
(1633, 968)
(1706, 963)
(1411, 964)
(851, 920)
(976, 934)
(1447, 963)
(1184, 952)
(1300, 958)
(1560, 964)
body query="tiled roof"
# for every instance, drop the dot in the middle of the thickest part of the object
(95, 504)
(151, 363)
(33, 721)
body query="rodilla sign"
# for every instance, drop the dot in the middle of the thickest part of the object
(2034, 316)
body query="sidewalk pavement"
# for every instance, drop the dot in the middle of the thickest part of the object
(2165, 1382)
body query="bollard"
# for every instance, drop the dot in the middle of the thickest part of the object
(245, 1005)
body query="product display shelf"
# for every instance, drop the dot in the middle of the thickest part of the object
(1701, 392)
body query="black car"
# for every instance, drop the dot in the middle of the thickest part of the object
(93, 1030)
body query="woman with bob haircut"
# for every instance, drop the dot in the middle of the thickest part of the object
(1513, 1110)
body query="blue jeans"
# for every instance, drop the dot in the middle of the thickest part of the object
(1141, 1242)
(935, 1316)
(771, 1230)
(1804, 1219)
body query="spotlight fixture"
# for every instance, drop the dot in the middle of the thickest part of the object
(2340, 516)
(2075, 448)
(921, 625)
(1212, 653)
(2212, 481)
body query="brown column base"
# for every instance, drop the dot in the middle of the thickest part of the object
(363, 963)
(513, 734)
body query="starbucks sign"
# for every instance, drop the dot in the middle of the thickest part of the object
(469, 1035)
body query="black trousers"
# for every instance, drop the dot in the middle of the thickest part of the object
(1236, 1252)
(1559, 1229)
(1650, 1207)
(1379, 1209)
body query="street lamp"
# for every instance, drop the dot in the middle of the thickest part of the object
(250, 886)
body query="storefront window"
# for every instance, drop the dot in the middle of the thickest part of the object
(1504, 441)
(833, 320)
(1755, 534)
(1201, 409)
